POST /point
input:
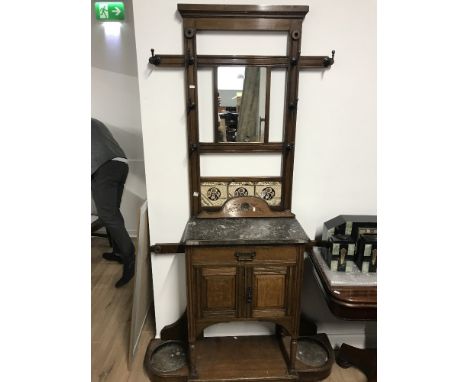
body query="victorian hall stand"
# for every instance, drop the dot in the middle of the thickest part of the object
(245, 256)
(353, 300)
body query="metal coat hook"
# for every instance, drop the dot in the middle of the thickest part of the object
(327, 61)
(293, 105)
(155, 60)
(191, 105)
(190, 58)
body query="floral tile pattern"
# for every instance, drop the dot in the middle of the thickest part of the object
(241, 189)
(269, 191)
(214, 194)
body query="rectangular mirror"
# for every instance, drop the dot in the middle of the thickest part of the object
(242, 94)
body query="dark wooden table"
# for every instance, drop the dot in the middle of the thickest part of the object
(351, 297)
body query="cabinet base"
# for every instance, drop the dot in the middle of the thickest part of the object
(252, 358)
(255, 358)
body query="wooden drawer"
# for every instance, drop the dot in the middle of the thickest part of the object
(244, 255)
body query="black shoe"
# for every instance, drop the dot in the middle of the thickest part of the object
(128, 272)
(111, 256)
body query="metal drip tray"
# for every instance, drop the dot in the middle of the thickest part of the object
(169, 356)
(311, 352)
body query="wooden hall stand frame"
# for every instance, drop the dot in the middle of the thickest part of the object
(199, 18)
(244, 261)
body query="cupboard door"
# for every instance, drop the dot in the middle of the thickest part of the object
(271, 291)
(217, 292)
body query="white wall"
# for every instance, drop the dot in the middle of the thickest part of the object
(115, 101)
(335, 163)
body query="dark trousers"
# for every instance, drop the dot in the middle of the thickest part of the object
(107, 185)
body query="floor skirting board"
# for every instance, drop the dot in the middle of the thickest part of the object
(360, 340)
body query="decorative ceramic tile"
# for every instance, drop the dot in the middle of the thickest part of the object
(213, 194)
(241, 189)
(269, 191)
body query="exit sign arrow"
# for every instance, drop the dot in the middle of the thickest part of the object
(109, 11)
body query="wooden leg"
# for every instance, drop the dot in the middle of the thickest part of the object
(292, 356)
(192, 360)
(363, 359)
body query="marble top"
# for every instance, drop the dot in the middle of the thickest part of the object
(353, 278)
(244, 231)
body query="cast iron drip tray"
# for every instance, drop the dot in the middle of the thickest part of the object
(311, 352)
(168, 357)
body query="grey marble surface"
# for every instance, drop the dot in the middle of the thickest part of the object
(353, 278)
(242, 231)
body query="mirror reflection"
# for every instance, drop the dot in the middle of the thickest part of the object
(241, 100)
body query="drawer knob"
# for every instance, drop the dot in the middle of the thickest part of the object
(245, 256)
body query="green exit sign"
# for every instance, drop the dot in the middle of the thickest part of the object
(109, 11)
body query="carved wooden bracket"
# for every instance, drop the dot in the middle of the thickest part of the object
(245, 207)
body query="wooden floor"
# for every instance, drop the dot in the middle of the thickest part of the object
(110, 329)
(111, 313)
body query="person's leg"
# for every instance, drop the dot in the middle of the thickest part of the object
(129, 263)
(107, 187)
(114, 255)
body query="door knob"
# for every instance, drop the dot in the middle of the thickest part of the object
(249, 295)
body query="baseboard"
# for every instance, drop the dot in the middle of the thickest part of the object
(360, 340)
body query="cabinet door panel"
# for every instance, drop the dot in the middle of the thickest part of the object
(271, 291)
(218, 292)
